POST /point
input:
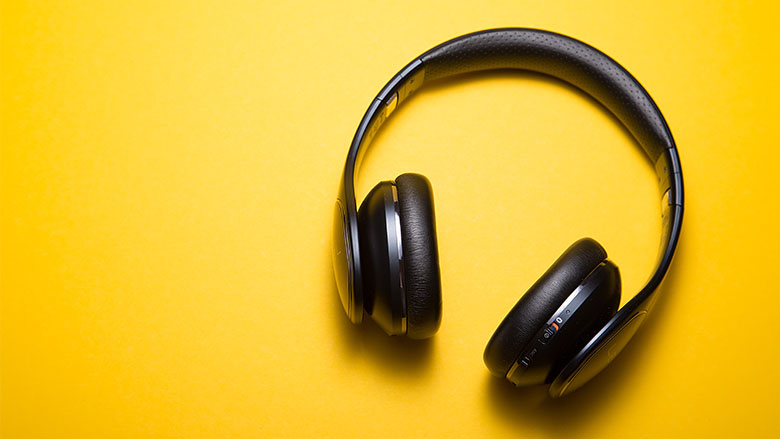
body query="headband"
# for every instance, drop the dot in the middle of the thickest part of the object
(552, 54)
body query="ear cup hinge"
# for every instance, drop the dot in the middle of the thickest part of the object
(669, 176)
(409, 79)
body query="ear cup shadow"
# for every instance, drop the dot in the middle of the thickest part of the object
(422, 283)
(540, 302)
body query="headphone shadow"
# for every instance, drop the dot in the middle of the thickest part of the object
(521, 407)
(532, 405)
(394, 356)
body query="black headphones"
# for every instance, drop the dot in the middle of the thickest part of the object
(567, 327)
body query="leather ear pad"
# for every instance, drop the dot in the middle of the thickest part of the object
(420, 255)
(540, 302)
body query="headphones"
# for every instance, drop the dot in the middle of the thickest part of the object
(567, 327)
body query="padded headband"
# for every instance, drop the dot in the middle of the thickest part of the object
(564, 58)
(552, 54)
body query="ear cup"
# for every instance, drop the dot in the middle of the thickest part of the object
(422, 282)
(540, 302)
(382, 292)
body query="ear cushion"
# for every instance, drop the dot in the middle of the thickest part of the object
(420, 255)
(540, 302)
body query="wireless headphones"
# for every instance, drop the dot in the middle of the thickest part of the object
(567, 327)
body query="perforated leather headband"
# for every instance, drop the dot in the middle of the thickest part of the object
(561, 57)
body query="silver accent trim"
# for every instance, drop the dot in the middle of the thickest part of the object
(400, 256)
(549, 321)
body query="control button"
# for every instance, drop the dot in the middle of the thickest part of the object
(548, 333)
(525, 361)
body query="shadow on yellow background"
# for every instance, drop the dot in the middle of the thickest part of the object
(522, 407)
(167, 179)
(410, 361)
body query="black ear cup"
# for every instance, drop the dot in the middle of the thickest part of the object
(422, 282)
(399, 257)
(533, 310)
(380, 257)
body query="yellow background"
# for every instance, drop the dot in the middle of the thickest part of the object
(168, 175)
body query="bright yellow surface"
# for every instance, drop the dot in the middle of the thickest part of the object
(168, 174)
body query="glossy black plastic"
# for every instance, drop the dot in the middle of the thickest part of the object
(603, 347)
(383, 296)
(602, 354)
(346, 255)
(567, 330)
(408, 80)
(661, 151)
(342, 261)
